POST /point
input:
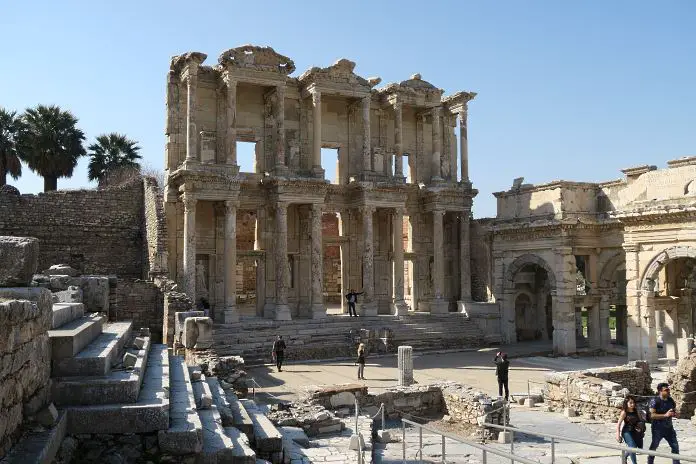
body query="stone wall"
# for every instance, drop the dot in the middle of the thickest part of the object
(683, 383)
(155, 251)
(597, 393)
(173, 302)
(141, 302)
(94, 231)
(25, 359)
(481, 262)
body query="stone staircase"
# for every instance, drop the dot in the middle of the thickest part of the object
(331, 337)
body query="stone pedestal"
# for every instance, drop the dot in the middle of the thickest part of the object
(405, 366)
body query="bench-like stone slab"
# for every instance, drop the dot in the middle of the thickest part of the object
(71, 338)
(39, 447)
(20, 258)
(241, 418)
(217, 446)
(267, 439)
(185, 432)
(66, 312)
(242, 452)
(97, 357)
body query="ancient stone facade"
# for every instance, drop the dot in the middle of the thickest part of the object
(622, 249)
(400, 167)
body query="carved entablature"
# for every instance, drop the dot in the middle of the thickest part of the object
(295, 190)
(361, 194)
(448, 199)
(255, 58)
(181, 63)
(338, 78)
(414, 92)
(206, 185)
(458, 102)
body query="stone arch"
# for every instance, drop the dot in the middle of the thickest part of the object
(609, 268)
(660, 261)
(525, 260)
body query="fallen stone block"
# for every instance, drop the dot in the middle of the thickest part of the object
(570, 412)
(356, 442)
(61, 269)
(19, 257)
(95, 293)
(196, 374)
(504, 437)
(129, 360)
(342, 399)
(180, 318)
(383, 436)
(198, 333)
(139, 343)
(296, 434)
(71, 295)
(529, 402)
(48, 416)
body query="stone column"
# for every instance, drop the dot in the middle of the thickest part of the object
(604, 332)
(398, 304)
(648, 329)
(508, 324)
(344, 231)
(230, 313)
(316, 152)
(369, 306)
(282, 310)
(405, 362)
(191, 133)
(437, 146)
(317, 275)
(231, 134)
(563, 309)
(594, 328)
(438, 305)
(280, 126)
(189, 279)
(398, 141)
(367, 148)
(464, 258)
(633, 320)
(463, 145)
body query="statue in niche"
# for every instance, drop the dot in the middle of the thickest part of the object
(202, 278)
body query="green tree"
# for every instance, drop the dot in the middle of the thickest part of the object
(52, 142)
(111, 153)
(11, 132)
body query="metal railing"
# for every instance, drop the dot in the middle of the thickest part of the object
(485, 449)
(625, 450)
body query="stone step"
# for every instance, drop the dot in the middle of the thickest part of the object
(97, 357)
(119, 386)
(217, 447)
(149, 414)
(70, 338)
(39, 447)
(185, 432)
(220, 401)
(243, 454)
(267, 439)
(66, 312)
(242, 421)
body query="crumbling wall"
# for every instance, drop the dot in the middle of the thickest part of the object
(155, 256)
(142, 302)
(683, 383)
(94, 231)
(173, 302)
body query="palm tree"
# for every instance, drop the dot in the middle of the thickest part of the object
(112, 152)
(53, 143)
(11, 133)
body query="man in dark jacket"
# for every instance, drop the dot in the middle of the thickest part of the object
(352, 298)
(279, 352)
(662, 410)
(502, 365)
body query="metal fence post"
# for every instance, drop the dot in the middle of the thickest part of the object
(553, 450)
(484, 457)
(403, 440)
(383, 426)
(529, 390)
(443, 450)
(420, 443)
(512, 445)
(624, 456)
(356, 416)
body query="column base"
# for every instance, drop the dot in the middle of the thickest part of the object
(318, 311)
(368, 309)
(228, 316)
(399, 308)
(280, 170)
(564, 341)
(318, 172)
(439, 306)
(282, 313)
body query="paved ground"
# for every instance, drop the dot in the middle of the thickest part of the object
(474, 368)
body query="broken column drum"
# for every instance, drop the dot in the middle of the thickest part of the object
(405, 366)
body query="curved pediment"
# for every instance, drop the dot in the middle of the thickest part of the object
(415, 85)
(257, 58)
(178, 62)
(341, 71)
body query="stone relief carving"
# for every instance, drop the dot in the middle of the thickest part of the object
(259, 58)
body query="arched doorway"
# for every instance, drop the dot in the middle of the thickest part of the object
(612, 288)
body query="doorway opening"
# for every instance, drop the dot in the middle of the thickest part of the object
(246, 156)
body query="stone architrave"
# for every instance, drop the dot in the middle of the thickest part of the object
(282, 310)
(399, 306)
(19, 258)
(317, 275)
(230, 313)
(368, 307)
(189, 280)
(405, 362)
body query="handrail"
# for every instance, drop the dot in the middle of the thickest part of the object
(623, 449)
(484, 448)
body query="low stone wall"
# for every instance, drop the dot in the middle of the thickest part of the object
(683, 383)
(141, 301)
(173, 302)
(597, 393)
(25, 359)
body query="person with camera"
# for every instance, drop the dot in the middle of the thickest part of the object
(662, 410)
(502, 366)
(633, 429)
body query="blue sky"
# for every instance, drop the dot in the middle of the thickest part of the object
(566, 90)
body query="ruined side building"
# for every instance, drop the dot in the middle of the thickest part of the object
(253, 243)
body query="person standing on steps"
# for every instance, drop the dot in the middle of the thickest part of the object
(662, 410)
(502, 365)
(279, 352)
(361, 361)
(352, 298)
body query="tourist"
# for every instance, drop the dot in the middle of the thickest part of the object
(361, 361)
(279, 352)
(662, 410)
(352, 298)
(502, 365)
(633, 429)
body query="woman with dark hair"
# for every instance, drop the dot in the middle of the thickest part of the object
(633, 429)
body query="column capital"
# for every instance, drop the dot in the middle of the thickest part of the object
(436, 111)
(231, 206)
(399, 211)
(439, 212)
(317, 208)
(397, 105)
(230, 82)
(316, 97)
(462, 113)
(367, 209)
(189, 200)
(281, 207)
(631, 247)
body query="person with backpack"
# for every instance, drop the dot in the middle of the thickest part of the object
(502, 366)
(278, 352)
(633, 429)
(361, 361)
(352, 298)
(662, 409)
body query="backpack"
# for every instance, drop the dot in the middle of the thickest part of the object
(644, 412)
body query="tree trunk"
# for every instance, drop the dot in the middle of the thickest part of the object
(50, 183)
(3, 177)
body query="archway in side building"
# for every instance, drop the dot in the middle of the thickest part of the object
(530, 280)
(612, 288)
(670, 282)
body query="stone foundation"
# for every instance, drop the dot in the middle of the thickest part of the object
(683, 383)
